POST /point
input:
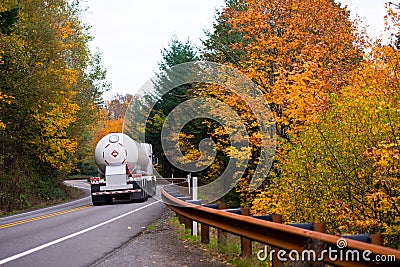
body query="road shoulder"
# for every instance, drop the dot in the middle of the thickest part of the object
(159, 246)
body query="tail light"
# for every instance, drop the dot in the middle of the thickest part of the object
(95, 180)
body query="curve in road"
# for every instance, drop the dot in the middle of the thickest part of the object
(74, 233)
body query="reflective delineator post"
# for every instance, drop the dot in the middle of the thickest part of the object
(189, 176)
(194, 191)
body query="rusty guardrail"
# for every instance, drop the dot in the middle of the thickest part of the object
(284, 237)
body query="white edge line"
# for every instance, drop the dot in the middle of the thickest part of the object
(30, 251)
(80, 187)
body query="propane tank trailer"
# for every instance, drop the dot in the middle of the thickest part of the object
(125, 170)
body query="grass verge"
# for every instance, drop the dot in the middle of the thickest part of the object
(71, 193)
(228, 253)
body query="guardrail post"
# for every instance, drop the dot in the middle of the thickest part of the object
(276, 218)
(222, 235)
(205, 234)
(180, 218)
(376, 239)
(245, 242)
(320, 227)
(188, 223)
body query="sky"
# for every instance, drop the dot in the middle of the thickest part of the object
(130, 34)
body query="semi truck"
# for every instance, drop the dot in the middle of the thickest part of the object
(125, 170)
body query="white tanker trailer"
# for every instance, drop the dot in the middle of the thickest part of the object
(125, 170)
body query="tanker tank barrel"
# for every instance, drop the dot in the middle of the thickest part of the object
(125, 167)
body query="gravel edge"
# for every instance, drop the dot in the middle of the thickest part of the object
(159, 245)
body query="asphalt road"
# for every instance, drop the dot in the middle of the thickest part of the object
(74, 233)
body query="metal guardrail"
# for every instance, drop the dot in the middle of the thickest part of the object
(280, 236)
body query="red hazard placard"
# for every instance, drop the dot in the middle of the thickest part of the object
(114, 153)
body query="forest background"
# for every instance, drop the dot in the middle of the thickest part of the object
(333, 91)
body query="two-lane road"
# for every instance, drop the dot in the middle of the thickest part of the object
(74, 233)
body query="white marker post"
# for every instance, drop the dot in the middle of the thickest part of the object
(189, 176)
(194, 198)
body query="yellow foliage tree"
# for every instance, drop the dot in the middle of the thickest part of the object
(50, 87)
(52, 144)
(344, 168)
(297, 52)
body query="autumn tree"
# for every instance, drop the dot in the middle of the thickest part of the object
(117, 106)
(112, 116)
(294, 50)
(343, 168)
(90, 87)
(297, 52)
(53, 83)
(393, 10)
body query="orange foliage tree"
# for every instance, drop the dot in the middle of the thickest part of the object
(111, 118)
(344, 166)
(297, 52)
(107, 126)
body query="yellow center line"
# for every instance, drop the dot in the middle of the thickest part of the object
(43, 217)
